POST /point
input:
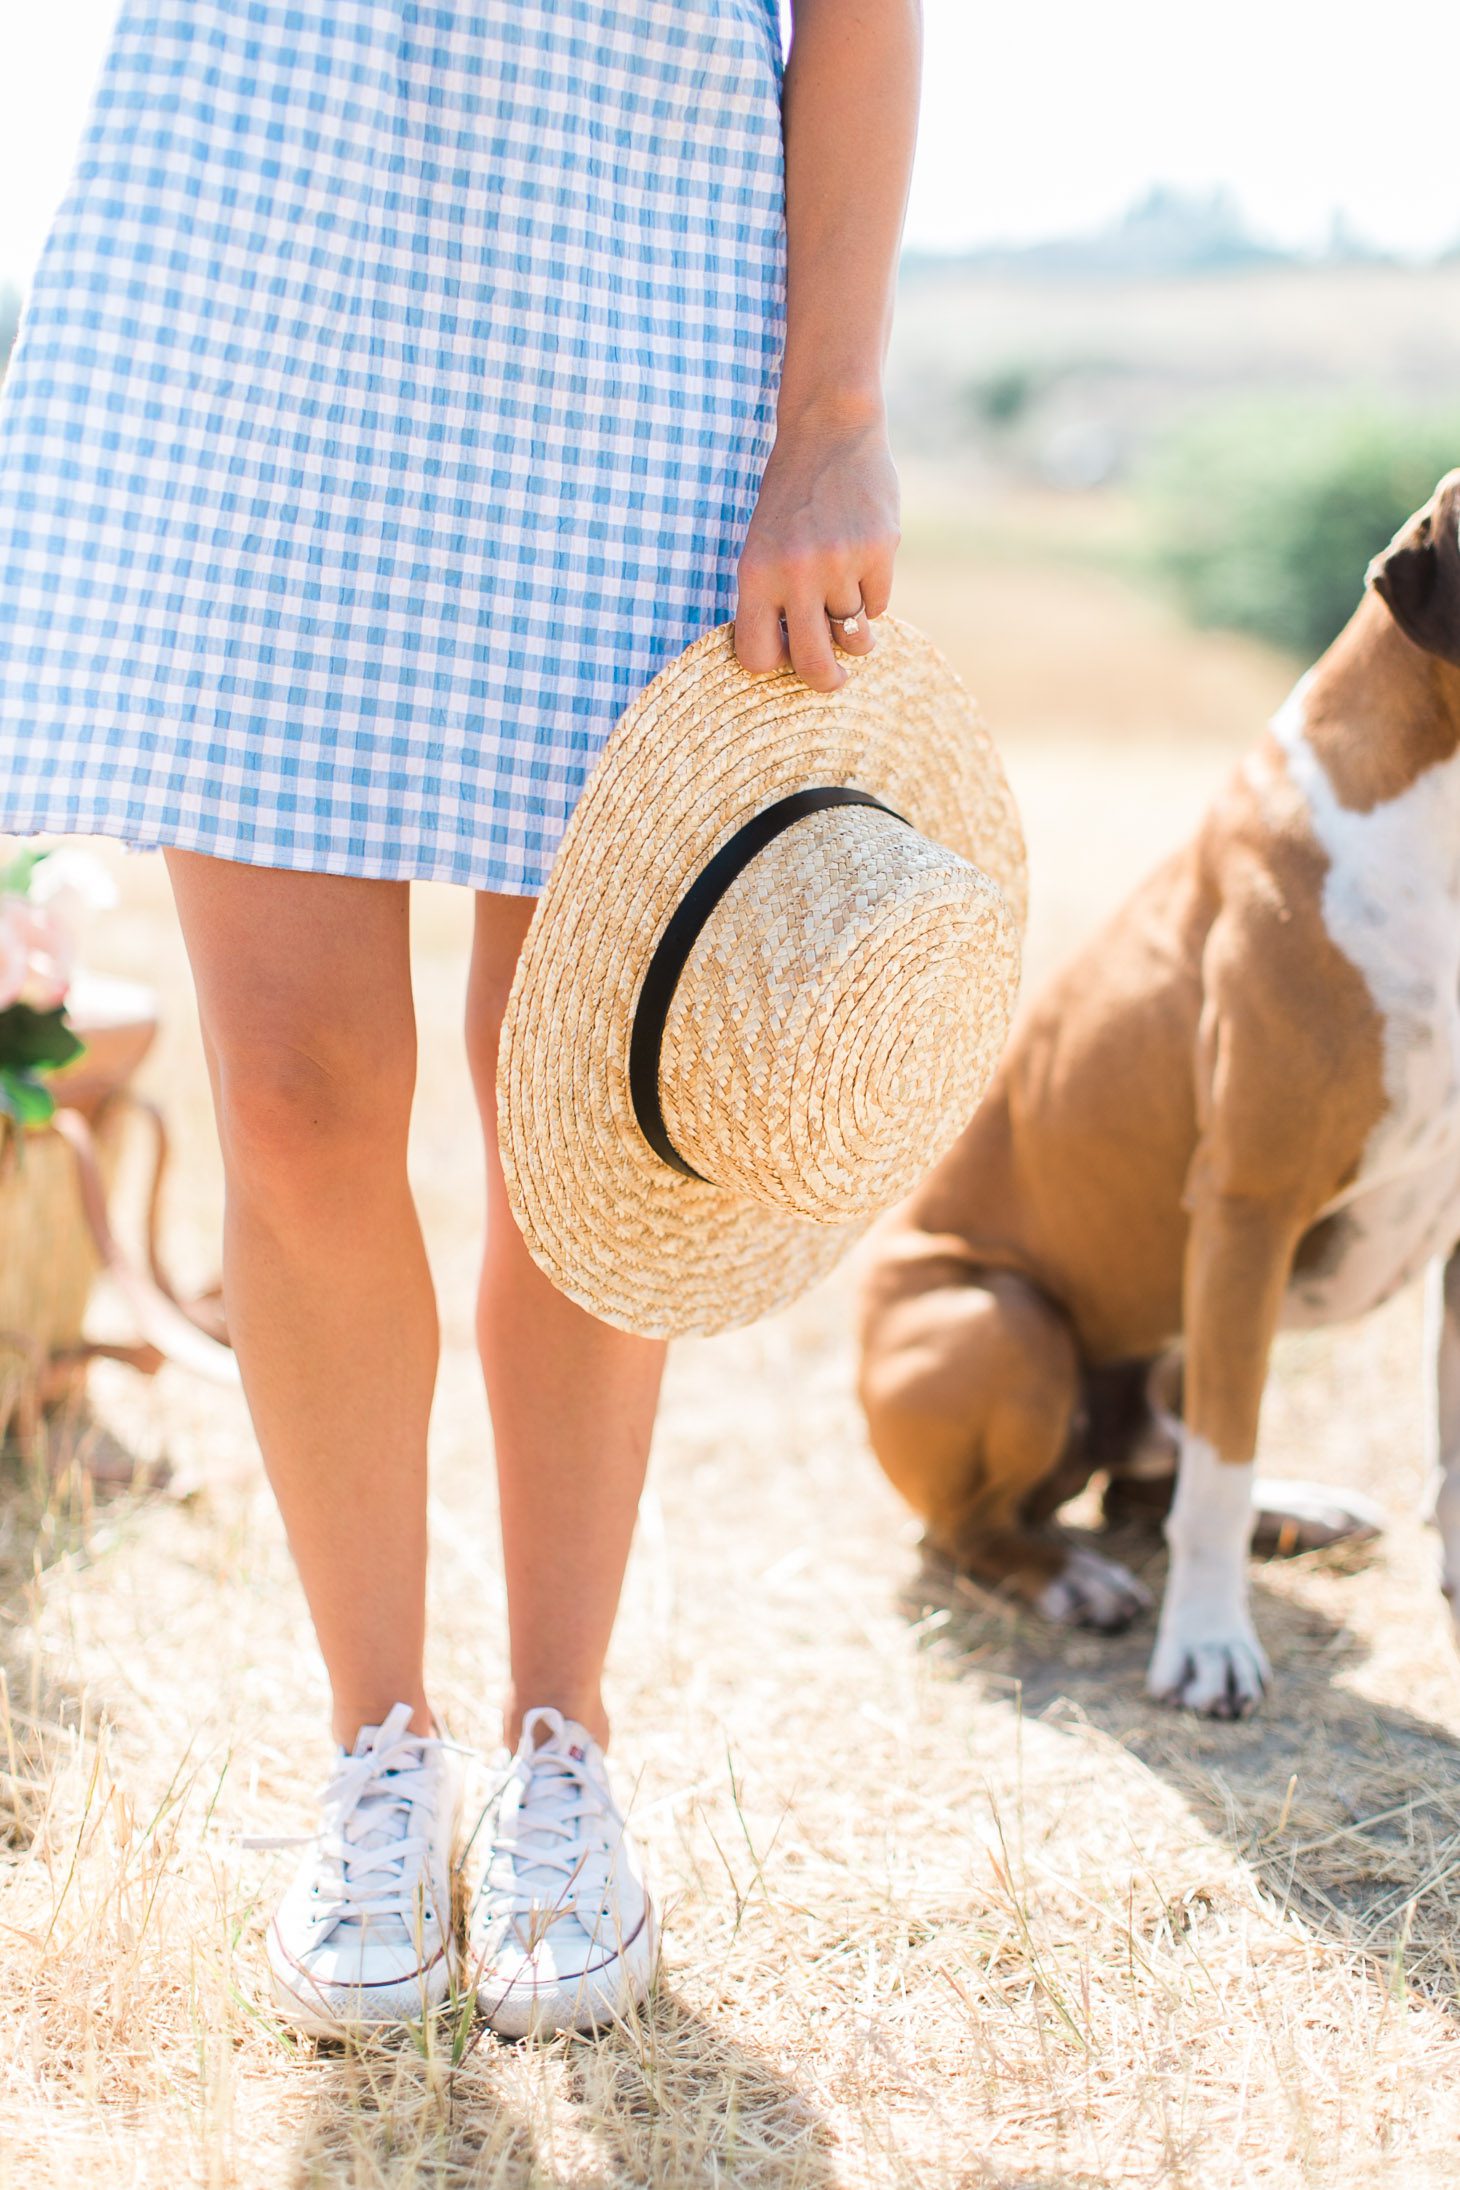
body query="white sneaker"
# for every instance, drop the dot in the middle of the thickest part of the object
(562, 1933)
(364, 1934)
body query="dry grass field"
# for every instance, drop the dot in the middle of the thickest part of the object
(947, 1904)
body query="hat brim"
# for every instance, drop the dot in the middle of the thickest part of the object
(700, 750)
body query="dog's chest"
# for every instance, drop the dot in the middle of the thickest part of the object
(1391, 903)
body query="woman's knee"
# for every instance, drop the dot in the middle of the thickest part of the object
(296, 1121)
(304, 997)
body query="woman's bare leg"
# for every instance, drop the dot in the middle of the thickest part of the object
(304, 995)
(572, 1404)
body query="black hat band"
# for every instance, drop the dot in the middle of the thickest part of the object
(686, 924)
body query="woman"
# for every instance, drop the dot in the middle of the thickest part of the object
(401, 387)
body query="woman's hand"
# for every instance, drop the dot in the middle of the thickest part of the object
(824, 532)
(820, 543)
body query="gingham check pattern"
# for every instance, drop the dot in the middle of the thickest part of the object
(388, 408)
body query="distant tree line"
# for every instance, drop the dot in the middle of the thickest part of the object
(1168, 231)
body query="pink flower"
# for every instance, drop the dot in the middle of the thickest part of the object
(71, 885)
(14, 949)
(48, 955)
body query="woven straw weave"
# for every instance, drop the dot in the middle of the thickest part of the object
(795, 1085)
(827, 1040)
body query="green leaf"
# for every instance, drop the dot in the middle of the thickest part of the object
(16, 873)
(36, 1038)
(24, 1098)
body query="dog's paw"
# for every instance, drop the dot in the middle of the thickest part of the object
(1219, 1672)
(1093, 1592)
(1294, 1516)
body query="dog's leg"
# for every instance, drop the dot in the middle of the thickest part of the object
(1135, 1436)
(1207, 1654)
(1442, 1334)
(971, 1381)
(1264, 1162)
(1291, 1516)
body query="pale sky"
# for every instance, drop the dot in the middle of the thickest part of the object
(1037, 120)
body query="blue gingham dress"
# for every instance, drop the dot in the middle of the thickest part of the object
(389, 406)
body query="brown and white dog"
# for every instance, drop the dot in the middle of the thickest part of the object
(1236, 1111)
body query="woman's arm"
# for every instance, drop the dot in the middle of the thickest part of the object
(824, 530)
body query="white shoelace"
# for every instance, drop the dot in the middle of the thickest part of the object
(558, 1848)
(370, 1867)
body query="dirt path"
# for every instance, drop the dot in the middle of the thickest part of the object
(947, 1903)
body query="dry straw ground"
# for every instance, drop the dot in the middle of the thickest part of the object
(946, 1902)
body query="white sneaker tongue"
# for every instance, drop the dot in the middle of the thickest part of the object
(543, 1852)
(360, 1833)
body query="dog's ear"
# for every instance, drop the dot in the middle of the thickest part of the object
(1418, 574)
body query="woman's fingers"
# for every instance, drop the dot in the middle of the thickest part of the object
(860, 641)
(760, 643)
(785, 615)
(810, 638)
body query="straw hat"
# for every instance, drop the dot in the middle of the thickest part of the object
(765, 985)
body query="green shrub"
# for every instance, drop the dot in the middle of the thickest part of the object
(1265, 517)
(1003, 397)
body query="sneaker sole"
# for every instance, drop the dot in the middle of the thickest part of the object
(315, 2016)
